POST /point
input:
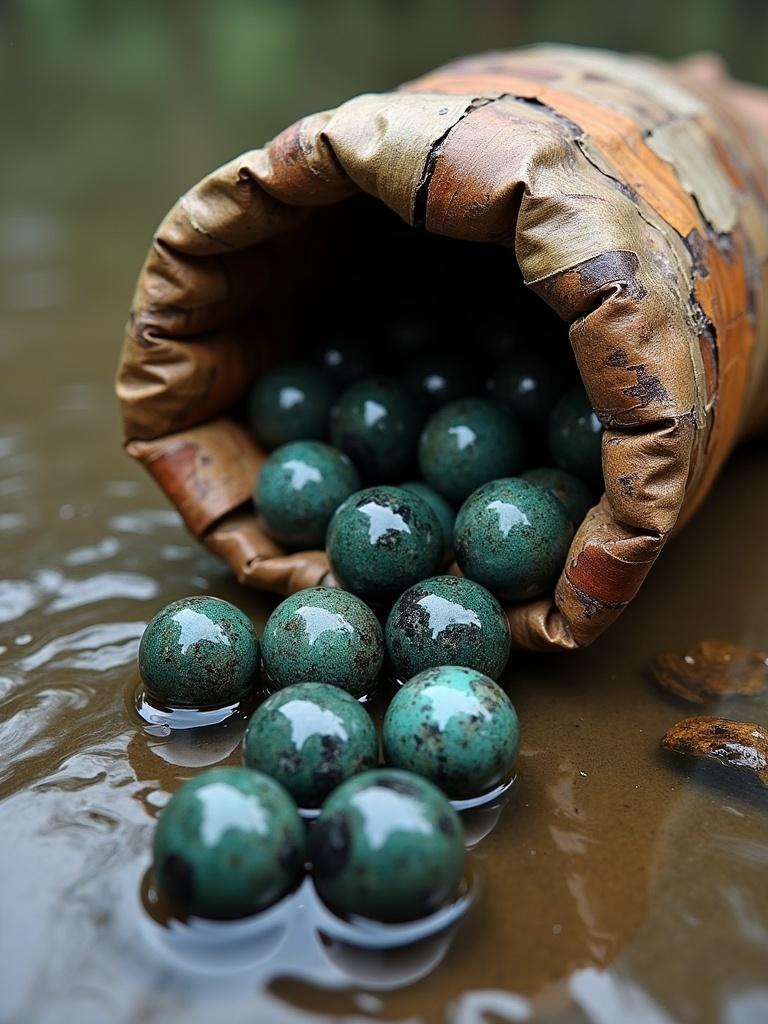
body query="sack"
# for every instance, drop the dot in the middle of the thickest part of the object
(635, 197)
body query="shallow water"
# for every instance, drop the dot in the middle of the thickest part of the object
(618, 883)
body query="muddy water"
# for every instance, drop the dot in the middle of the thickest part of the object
(617, 884)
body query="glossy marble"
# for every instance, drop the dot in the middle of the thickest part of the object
(376, 421)
(388, 846)
(199, 652)
(512, 537)
(447, 620)
(439, 377)
(466, 443)
(383, 539)
(310, 737)
(575, 437)
(346, 359)
(456, 727)
(323, 635)
(299, 488)
(229, 843)
(291, 402)
(576, 497)
(442, 509)
(529, 382)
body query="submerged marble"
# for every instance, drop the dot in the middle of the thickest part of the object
(229, 843)
(388, 846)
(199, 652)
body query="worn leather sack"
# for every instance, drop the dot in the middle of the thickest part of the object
(635, 198)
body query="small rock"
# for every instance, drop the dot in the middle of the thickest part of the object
(735, 744)
(712, 668)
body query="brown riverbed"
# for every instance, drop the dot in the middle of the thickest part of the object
(619, 884)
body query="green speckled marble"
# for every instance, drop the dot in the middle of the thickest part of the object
(439, 377)
(575, 436)
(291, 403)
(299, 488)
(345, 358)
(323, 635)
(467, 443)
(310, 737)
(376, 422)
(576, 497)
(530, 382)
(454, 726)
(387, 846)
(199, 652)
(512, 537)
(383, 539)
(229, 843)
(444, 512)
(447, 620)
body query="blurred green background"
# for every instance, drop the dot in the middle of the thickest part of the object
(109, 94)
(112, 108)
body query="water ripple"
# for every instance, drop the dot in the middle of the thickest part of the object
(16, 598)
(145, 521)
(104, 586)
(106, 548)
(103, 645)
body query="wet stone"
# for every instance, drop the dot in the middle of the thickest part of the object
(310, 737)
(299, 488)
(229, 843)
(323, 635)
(447, 620)
(383, 539)
(467, 443)
(575, 437)
(291, 402)
(199, 652)
(454, 726)
(376, 421)
(444, 512)
(512, 537)
(576, 497)
(739, 745)
(387, 846)
(712, 669)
